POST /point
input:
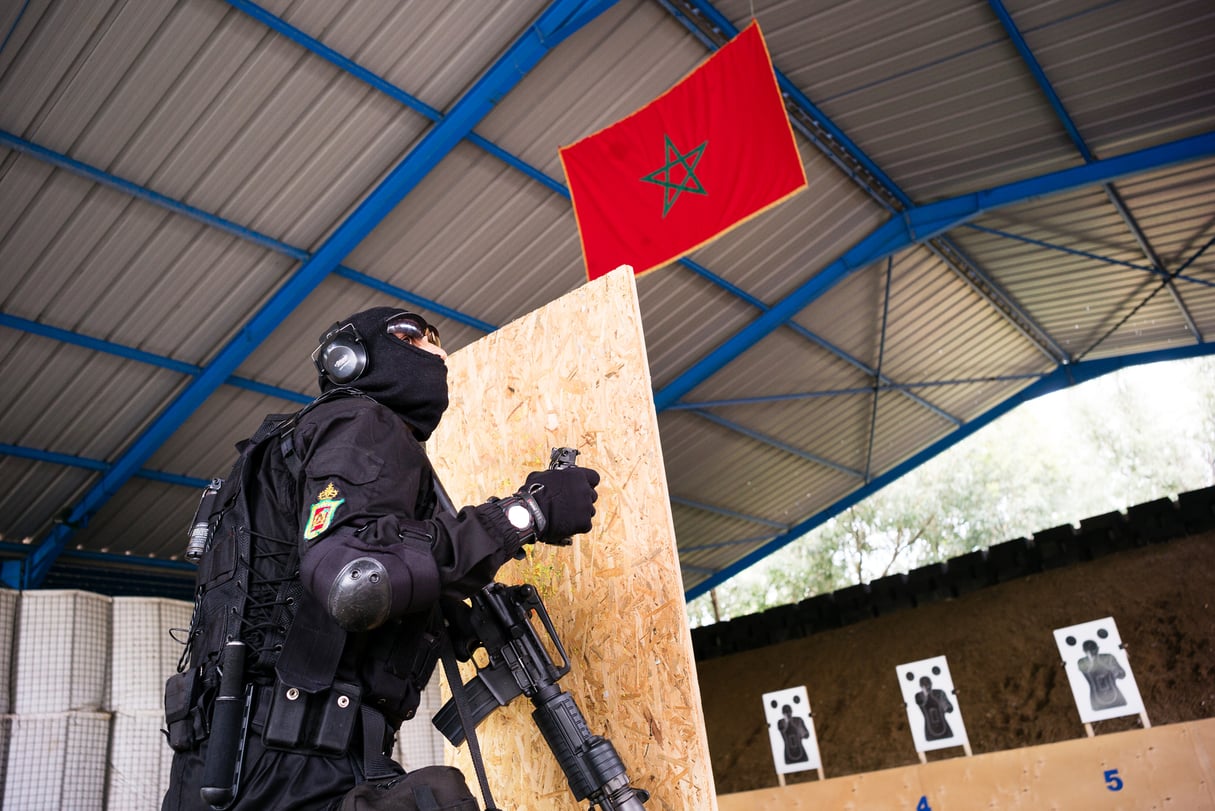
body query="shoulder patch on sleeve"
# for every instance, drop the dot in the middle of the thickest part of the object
(322, 512)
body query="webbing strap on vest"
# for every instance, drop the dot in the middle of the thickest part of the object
(376, 765)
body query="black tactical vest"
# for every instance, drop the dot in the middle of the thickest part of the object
(247, 586)
(248, 589)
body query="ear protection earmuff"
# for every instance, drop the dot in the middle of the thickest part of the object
(341, 356)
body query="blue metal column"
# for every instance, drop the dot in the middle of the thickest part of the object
(554, 25)
(923, 223)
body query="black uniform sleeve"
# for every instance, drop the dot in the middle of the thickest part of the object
(362, 477)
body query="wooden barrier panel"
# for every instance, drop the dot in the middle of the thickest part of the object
(1162, 767)
(575, 373)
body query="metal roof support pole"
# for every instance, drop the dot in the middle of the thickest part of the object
(1061, 378)
(877, 387)
(1050, 246)
(554, 25)
(1073, 132)
(923, 223)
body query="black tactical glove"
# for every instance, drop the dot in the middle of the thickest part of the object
(566, 497)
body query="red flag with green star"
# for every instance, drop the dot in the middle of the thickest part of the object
(710, 153)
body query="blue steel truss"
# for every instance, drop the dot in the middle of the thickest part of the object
(339, 60)
(553, 26)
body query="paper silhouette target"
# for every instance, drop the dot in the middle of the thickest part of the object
(791, 731)
(1098, 671)
(932, 711)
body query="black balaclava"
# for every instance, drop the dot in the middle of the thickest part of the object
(407, 379)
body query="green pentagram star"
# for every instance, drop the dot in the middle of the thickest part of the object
(690, 183)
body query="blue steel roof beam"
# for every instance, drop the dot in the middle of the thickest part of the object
(81, 169)
(112, 181)
(697, 405)
(386, 87)
(831, 140)
(111, 348)
(68, 460)
(714, 29)
(702, 507)
(547, 32)
(817, 339)
(776, 443)
(922, 223)
(1061, 378)
(1177, 274)
(13, 27)
(1073, 132)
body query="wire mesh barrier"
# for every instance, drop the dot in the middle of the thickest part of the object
(81, 719)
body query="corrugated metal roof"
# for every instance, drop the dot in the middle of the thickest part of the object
(166, 168)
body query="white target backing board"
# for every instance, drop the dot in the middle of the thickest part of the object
(932, 711)
(791, 731)
(1098, 671)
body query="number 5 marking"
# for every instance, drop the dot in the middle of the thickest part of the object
(1112, 781)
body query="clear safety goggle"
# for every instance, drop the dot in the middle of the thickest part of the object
(413, 327)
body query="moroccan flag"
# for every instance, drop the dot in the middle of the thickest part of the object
(711, 152)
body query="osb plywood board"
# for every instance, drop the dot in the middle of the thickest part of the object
(1163, 767)
(575, 374)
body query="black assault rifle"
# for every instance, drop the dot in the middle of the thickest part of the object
(499, 620)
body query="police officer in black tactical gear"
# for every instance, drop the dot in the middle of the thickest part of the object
(316, 621)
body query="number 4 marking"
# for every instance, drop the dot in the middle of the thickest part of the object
(1112, 781)
(923, 805)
